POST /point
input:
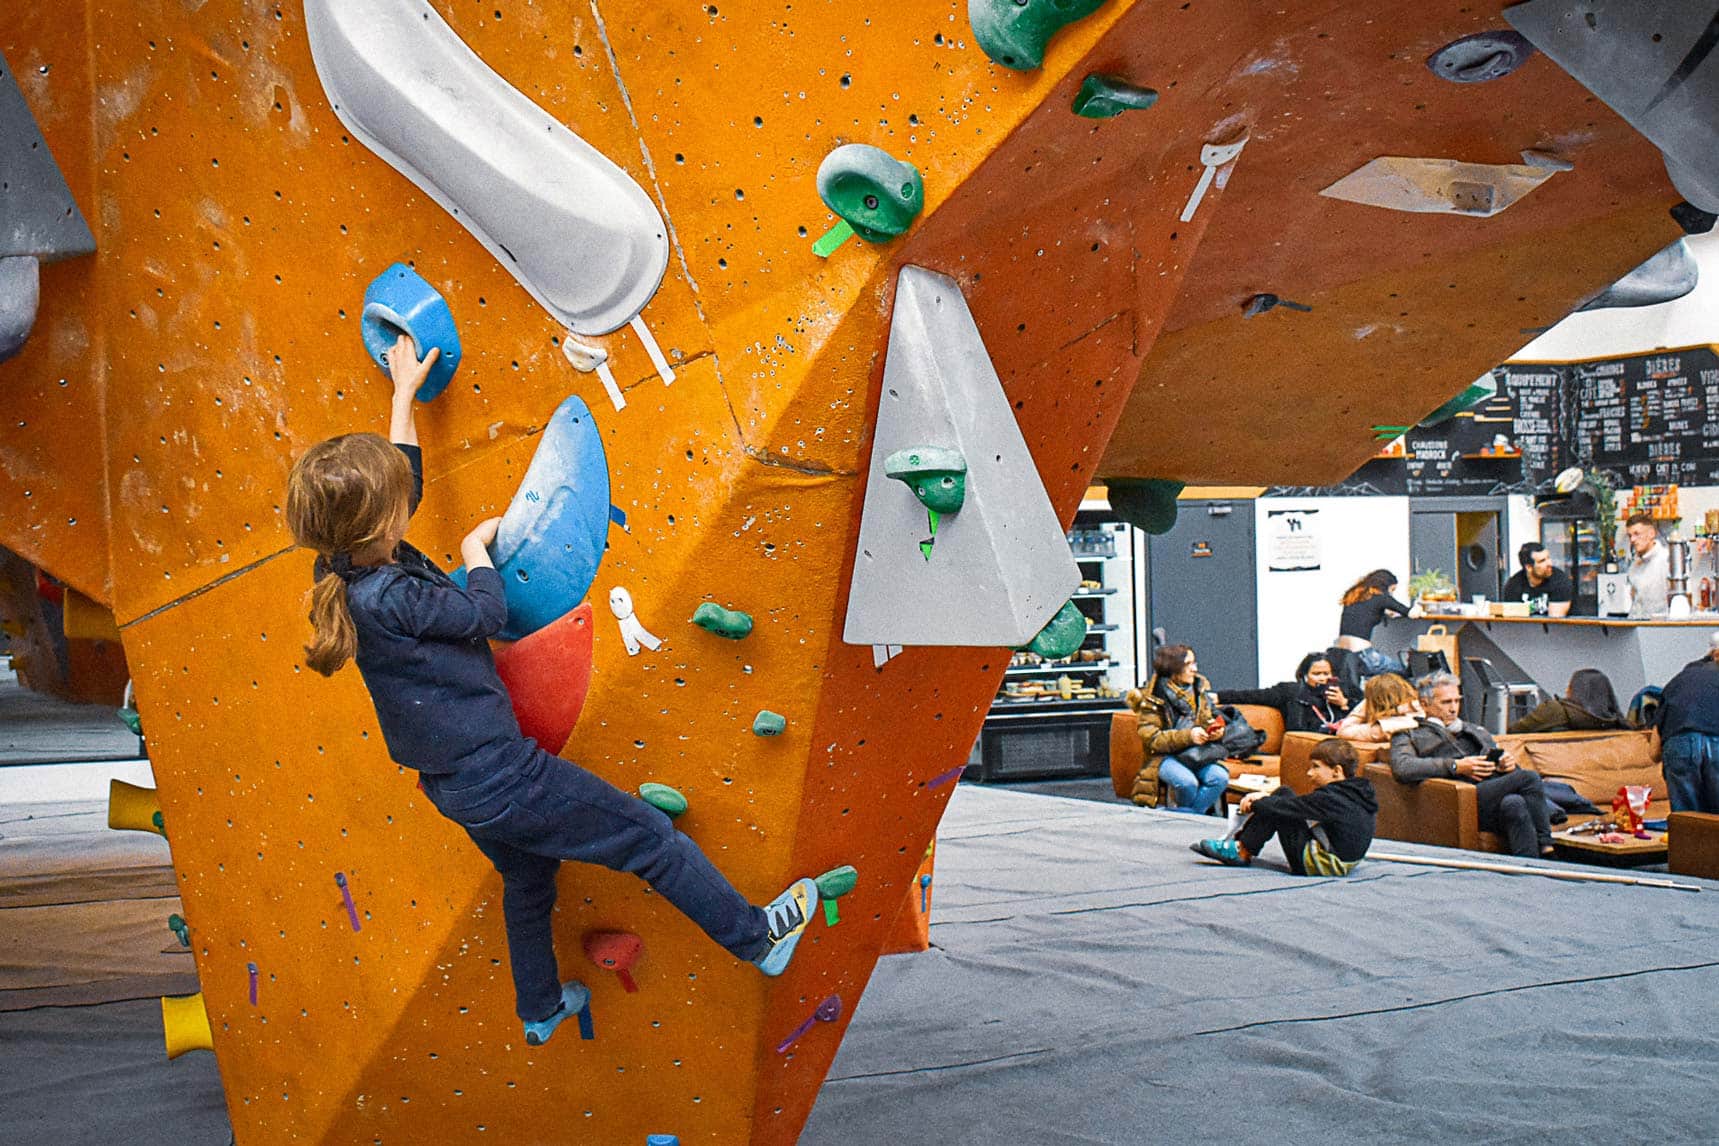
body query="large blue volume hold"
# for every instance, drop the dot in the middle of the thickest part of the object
(551, 538)
(398, 301)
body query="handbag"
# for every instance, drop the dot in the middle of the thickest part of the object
(1438, 639)
(1239, 740)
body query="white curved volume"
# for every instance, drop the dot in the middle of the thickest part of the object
(570, 225)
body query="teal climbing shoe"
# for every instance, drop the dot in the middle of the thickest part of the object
(575, 997)
(789, 914)
(1224, 851)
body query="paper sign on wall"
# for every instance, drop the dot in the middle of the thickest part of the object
(1292, 540)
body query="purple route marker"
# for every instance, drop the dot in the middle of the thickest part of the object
(587, 1029)
(828, 1012)
(948, 777)
(346, 893)
(252, 969)
(924, 894)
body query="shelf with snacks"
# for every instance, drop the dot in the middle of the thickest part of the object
(1057, 666)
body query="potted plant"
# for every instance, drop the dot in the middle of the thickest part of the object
(1432, 585)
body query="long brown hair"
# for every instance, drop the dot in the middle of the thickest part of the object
(343, 497)
(1374, 583)
(1386, 693)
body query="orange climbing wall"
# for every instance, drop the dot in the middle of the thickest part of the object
(215, 336)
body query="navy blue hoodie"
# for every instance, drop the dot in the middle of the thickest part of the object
(423, 650)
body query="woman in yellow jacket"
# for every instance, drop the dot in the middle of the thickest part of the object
(1176, 712)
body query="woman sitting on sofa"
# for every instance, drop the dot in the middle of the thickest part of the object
(1312, 702)
(1589, 704)
(1389, 705)
(1177, 712)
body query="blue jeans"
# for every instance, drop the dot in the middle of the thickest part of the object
(1692, 772)
(527, 811)
(1376, 663)
(1195, 789)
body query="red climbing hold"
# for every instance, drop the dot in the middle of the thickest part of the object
(615, 951)
(547, 674)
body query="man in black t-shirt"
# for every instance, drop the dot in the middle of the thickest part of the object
(1547, 590)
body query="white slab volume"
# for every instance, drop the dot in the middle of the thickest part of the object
(1001, 567)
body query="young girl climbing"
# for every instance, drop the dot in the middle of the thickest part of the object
(420, 642)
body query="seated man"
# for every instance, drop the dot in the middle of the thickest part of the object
(1443, 746)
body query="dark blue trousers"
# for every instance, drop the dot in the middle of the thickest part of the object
(528, 810)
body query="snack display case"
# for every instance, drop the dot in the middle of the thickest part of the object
(1052, 718)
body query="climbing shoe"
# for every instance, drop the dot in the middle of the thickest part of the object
(575, 997)
(1224, 851)
(788, 914)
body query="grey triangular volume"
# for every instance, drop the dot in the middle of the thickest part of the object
(1000, 567)
(1657, 65)
(38, 215)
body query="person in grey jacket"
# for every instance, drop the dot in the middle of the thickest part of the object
(1443, 746)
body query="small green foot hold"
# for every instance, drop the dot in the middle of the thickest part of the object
(663, 798)
(1065, 633)
(176, 924)
(1145, 503)
(1102, 97)
(730, 623)
(130, 718)
(768, 723)
(937, 475)
(832, 885)
(871, 191)
(160, 824)
(832, 238)
(1014, 32)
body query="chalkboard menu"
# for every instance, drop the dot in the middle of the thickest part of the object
(1650, 419)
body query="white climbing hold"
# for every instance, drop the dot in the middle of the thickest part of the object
(632, 631)
(588, 356)
(1212, 156)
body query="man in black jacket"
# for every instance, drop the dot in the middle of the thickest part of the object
(1326, 832)
(1442, 746)
(1689, 731)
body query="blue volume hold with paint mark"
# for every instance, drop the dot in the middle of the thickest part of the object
(399, 301)
(551, 539)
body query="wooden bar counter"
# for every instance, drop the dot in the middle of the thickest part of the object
(1546, 650)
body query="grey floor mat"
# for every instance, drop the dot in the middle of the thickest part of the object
(1092, 981)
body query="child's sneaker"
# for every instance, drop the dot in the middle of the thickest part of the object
(1224, 851)
(575, 997)
(788, 913)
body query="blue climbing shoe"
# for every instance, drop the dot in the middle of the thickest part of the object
(1224, 851)
(789, 914)
(575, 997)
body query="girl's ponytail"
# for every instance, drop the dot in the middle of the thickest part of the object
(336, 639)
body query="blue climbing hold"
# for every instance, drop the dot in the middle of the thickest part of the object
(552, 537)
(399, 301)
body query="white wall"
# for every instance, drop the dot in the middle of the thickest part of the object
(1298, 611)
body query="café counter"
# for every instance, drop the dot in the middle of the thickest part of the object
(1546, 650)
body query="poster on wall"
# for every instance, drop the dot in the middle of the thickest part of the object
(1292, 540)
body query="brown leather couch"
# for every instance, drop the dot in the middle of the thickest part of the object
(1693, 841)
(1445, 813)
(1128, 754)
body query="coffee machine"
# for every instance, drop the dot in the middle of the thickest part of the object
(1677, 578)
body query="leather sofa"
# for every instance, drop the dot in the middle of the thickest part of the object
(1446, 813)
(1128, 754)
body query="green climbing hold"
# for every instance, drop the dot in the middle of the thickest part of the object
(176, 924)
(768, 723)
(160, 824)
(875, 193)
(1145, 503)
(1014, 32)
(832, 885)
(937, 476)
(730, 623)
(130, 718)
(1065, 633)
(664, 799)
(1101, 97)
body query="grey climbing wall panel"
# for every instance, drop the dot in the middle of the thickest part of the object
(1654, 63)
(576, 231)
(38, 216)
(1001, 567)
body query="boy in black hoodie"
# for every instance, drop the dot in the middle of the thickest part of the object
(1325, 832)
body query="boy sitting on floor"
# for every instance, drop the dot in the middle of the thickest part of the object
(1325, 832)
